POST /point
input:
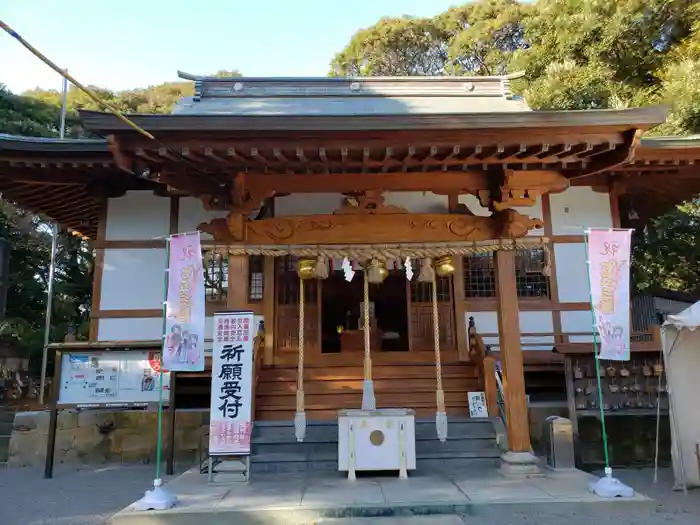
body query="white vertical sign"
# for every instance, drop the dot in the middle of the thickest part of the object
(477, 404)
(231, 418)
(609, 274)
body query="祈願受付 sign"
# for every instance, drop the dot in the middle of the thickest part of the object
(609, 272)
(185, 309)
(231, 423)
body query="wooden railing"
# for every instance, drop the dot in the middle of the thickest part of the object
(487, 368)
(480, 355)
(258, 351)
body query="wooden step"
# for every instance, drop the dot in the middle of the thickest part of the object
(348, 400)
(426, 384)
(330, 414)
(394, 371)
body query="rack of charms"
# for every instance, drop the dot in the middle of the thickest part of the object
(634, 387)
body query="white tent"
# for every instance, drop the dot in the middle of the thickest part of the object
(681, 347)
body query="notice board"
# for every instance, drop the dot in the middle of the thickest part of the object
(92, 379)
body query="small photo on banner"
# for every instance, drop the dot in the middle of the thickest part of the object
(231, 417)
(183, 345)
(609, 273)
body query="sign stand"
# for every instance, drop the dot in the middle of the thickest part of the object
(607, 486)
(231, 416)
(159, 498)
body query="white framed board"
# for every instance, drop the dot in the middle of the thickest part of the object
(111, 378)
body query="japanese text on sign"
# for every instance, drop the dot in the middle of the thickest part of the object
(232, 373)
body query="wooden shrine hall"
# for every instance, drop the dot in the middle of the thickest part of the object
(318, 198)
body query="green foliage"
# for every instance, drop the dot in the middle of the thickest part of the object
(576, 54)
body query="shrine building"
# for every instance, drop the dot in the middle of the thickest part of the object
(286, 178)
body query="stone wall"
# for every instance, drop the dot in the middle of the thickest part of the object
(96, 437)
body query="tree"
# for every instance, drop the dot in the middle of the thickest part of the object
(576, 54)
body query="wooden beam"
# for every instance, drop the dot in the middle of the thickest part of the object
(613, 157)
(511, 353)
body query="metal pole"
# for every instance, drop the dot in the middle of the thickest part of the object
(52, 262)
(64, 103)
(49, 303)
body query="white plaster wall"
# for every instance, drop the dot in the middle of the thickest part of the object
(307, 204)
(577, 321)
(133, 279)
(418, 201)
(534, 212)
(137, 329)
(192, 213)
(529, 322)
(578, 208)
(572, 272)
(143, 329)
(138, 215)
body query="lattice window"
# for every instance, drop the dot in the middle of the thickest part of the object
(423, 293)
(255, 278)
(530, 278)
(479, 275)
(216, 278)
(288, 282)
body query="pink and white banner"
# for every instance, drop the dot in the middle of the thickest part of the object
(609, 272)
(183, 347)
(231, 416)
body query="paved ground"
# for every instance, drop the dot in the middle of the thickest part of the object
(90, 496)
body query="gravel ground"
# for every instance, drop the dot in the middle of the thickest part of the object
(90, 496)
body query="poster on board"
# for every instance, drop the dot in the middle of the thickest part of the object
(231, 420)
(609, 274)
(111, 378)
(183, 346)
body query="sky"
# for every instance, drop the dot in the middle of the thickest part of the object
(137, 43)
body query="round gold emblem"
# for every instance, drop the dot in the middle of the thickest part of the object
(376, 437)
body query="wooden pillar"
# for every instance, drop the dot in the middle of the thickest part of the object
(511, 353)
(237, 282)
(269, 310)
(458, 305)
(98, 270)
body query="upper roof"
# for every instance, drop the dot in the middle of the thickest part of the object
(334, 96)
(341, 126)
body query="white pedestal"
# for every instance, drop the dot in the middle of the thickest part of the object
(382, 439)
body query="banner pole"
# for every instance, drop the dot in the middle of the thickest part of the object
(597, 360)
(159, 498)
(607, 486)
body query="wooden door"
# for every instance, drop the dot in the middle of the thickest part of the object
(287, 311)
(420, 311)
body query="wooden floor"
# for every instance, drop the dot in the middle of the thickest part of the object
(329, 388)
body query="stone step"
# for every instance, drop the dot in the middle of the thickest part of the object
(4, 448)
(284, 463)
(423, 446)
(267, 431)
(7, 416)
(6, 428)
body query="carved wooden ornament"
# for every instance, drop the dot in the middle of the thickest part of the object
(370, 228)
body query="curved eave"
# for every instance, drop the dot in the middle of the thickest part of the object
(57, 178)
(642, 118)
(14, 143)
